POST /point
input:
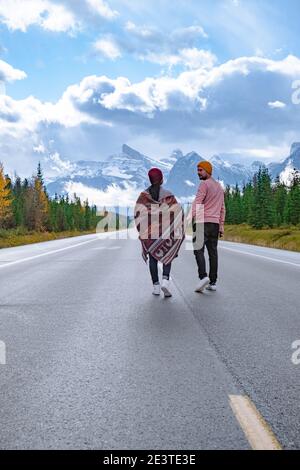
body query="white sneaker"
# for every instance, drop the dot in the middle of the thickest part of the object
(212, 287)
(156, 289)
(202, 284)
(165, 288)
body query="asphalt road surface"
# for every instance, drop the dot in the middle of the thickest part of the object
(92, 360)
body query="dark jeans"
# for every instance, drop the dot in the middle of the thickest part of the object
(154, 270)
(211, 235)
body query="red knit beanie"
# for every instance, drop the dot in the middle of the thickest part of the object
(155, 175)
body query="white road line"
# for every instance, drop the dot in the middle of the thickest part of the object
(46, 254)
(260, 256)
(107, 248)
(255, 428)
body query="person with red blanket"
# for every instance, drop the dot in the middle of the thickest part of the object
(160, 222)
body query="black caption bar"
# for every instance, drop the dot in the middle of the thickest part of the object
(146, 458)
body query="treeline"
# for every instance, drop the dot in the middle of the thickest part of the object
(25, 203)
(264, 203)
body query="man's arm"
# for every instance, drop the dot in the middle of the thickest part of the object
(200, 197)
(222, 219)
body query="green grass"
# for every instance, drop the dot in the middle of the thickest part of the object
(22, 236)
(286, 238)
(19, 236)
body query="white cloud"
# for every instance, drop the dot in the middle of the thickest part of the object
(190, 32)
(141, 31)
(59, 166)
(167, 49)
(269, 152)
(107, 48)
(40, 148)
(20, 117)
(17, 14)
(102, 8)
(222, 106)
(195, 58)
(190, 58)
(276, 104)
(53, 15)
(59, 19)
(103, 101)
(9, 73)
(20, 14)
(111, 197)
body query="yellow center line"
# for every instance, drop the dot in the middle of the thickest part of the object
(255, 428)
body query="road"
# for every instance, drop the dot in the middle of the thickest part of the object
(94, 361)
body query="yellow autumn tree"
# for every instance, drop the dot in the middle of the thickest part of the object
(41, 205)
(5, 199)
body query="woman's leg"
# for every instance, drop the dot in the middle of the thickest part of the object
(153, 269)
(166, 271)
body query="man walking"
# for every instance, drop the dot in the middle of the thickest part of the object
(211, 195)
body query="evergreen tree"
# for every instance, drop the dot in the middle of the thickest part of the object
(263, 210)
(39, 174)
(292, 209)
(236, 206)
(247, 203)
(87, 215)
(228, 198)
(280, 199)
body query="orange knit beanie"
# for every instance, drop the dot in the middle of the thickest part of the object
(206, 166)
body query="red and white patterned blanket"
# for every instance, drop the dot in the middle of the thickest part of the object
(160, 225)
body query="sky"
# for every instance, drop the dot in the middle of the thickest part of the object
(78, 78)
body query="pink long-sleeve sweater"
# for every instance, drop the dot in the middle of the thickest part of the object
(211, 195)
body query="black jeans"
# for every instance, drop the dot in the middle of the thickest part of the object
(211, 235)
(154, 270)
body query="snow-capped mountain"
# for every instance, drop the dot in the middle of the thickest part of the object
(129, 170)
(172, 159)
(184, 180)
(128, 167)
(285, 168)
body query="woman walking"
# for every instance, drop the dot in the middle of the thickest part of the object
(159, 220)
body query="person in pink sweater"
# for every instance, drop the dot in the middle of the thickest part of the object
(208, 215)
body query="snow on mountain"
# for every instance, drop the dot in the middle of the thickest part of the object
(129, 166)
(287, 175)
(126, 173)
(184, 180)
(295, 148)
(285, 168)
(172, 159)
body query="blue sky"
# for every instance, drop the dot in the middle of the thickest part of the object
(81, 77)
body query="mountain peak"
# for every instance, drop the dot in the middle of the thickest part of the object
(177, 153)
(193, 154)
(216, 158)
(295, 147)
(130, 151)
